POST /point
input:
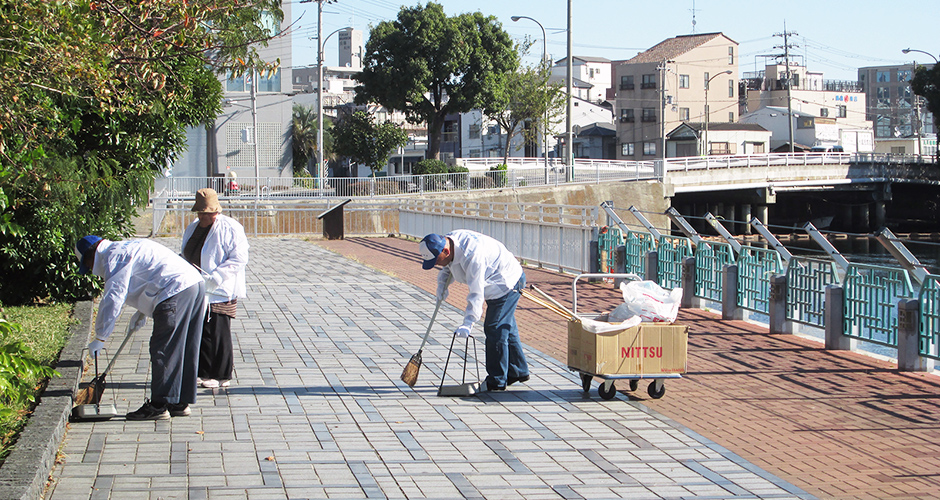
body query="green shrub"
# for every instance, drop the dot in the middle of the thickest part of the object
(430, 166)
(498, 175)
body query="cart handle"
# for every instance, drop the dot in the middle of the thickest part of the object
(574, 284)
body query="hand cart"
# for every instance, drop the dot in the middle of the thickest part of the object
(606, 390)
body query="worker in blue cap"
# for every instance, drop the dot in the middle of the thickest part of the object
(493, 275)
(158, 283)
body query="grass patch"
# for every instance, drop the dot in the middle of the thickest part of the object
(44, 332)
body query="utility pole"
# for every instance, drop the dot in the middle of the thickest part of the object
(662, 117)
(569, 137)
(789, 81)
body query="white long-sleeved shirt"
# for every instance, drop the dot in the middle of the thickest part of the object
(224, 256)
(139, 273)
(488, 268)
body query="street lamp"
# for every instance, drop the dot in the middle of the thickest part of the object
(545, 61)
(708, 111)
(909, 50)
(320, 47)
(917, 123)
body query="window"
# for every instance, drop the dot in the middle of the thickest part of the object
(904, 97)
(904, 75)
(450, 132)
(626, 116)
(493, 130)
(719, 148)
(626, 149)
(684, 114)
(758, 147)
(883, 97)
(730, 55)
(883, 76)
(626, 82)
(882, 126)
(475, 131)
(683, 81)
(649, 115)
(649, 82)
(243, 83)
(897, 150)
(730, 116)
(706, 80)
(823, 112)
(649, 149)
(731, 87)
(843, 111)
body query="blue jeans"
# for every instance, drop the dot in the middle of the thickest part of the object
(504, 356)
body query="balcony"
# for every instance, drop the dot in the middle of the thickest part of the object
(627, 119)
(626, 86)
(648, 85)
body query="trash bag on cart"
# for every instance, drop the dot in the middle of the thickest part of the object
(650, 301)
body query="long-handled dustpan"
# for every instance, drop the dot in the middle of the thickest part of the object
(464, 388)
(88, 400)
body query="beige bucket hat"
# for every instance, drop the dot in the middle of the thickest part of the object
(207, 201)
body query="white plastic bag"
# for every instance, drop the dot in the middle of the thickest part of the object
(650, 301)
(600, 324)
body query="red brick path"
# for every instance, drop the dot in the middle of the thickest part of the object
(836, 424)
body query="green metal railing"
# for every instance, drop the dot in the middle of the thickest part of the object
(607, 244)
(710, 259)
(871, 296)
(807, 280)
(637, 246)
(929, 299)
(755, 267)
(672, 251)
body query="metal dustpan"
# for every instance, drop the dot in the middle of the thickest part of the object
(464, 388)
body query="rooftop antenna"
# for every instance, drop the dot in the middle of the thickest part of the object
(693, 16)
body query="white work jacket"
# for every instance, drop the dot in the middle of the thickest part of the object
(224, 257)
(488, 268)
(139, 273)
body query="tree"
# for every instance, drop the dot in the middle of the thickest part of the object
(304, 131)
(94, 103)
(428, 65)
(926, 83)
(360, 139)
(525, 96)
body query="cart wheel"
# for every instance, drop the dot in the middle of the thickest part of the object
(607, 390)
(651, 390)
(586, 382)
(634, 383)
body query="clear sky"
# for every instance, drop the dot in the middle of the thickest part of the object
(834, 37)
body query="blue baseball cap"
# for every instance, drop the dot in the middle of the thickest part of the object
(430, 247)
(82, 247)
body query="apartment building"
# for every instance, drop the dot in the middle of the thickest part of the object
(688, 78)
(901, 121)
(590, 77)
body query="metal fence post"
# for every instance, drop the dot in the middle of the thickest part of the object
(836, 340)
(688, 282)
(909, 358)
(729, 292)
(777, 306)
(652, 266)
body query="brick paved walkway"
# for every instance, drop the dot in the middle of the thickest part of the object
(836, 424)
(317, 409)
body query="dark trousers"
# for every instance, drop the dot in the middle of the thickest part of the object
(174, 346)
(216, 357)
(504, 355)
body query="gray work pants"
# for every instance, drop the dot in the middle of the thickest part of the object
(174, 346)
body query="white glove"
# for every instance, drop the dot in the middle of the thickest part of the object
(95, 347)
(211, 284)
(463, 331)
(138, 320)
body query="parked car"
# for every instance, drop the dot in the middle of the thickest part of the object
(826, 149)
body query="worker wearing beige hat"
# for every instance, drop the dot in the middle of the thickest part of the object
(217, 245)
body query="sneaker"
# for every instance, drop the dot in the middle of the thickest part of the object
(178, 409)
(149, 412)
(225, 383)
(210, 383)
(513, 380)
(493, 388)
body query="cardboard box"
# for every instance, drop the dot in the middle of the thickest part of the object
(646, 349)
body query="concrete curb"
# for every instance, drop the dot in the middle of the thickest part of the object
(26, 470)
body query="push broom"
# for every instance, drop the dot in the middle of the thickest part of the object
(410, 374)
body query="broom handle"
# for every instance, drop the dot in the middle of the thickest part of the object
(553, 301)
(130, 331)
(436, 308)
